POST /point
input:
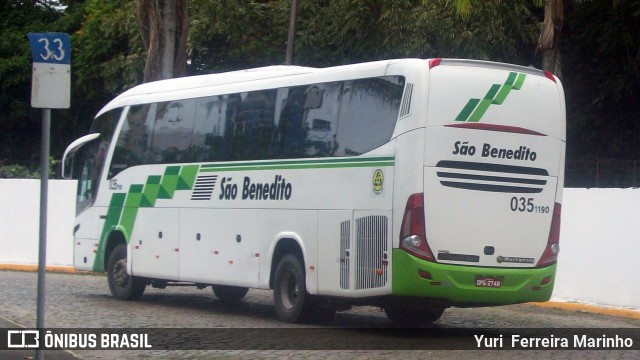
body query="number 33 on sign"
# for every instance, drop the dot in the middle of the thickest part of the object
(50, 88)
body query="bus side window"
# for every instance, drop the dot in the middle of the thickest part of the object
(172, 132)
(320, 120)
(212, 124)
(133, 140)
(253, 126)
(368, 114)
(291, 133)
(208, 127)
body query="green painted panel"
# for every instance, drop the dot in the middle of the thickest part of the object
(456, 283)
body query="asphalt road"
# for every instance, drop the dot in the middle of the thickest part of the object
(196, 319)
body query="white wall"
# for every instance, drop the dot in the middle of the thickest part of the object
(20, 221)
(599, 238)
(600, 247)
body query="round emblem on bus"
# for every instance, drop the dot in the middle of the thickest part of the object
(378, 181)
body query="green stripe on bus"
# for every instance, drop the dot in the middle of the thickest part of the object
(150, 192)
(519, 81)
(467, 110)
(169, 182)
(187, 177)
(475, 109)
(123, 208)
(222, 168)
(113, 217)
(298, 162)
(505, 89)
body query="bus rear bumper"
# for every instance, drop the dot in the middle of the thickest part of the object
(456, 284)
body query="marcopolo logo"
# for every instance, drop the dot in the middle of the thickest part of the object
(514, 259)
(474, 110)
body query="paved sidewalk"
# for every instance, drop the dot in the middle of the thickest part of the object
(31, 353)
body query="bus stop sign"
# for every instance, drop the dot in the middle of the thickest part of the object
(50, 86)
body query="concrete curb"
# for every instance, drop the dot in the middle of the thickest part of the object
(596, 309)
(49, 268)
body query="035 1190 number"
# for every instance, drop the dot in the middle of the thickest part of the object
(522, 204)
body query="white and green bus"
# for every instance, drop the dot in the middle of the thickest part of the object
(412, 185)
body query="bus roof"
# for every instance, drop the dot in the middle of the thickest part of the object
(187, 86)
(200, 81)
(169, 87)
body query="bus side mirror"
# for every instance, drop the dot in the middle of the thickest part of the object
(67, 158)
(67, 167)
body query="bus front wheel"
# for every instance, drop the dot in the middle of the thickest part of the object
(122, 285)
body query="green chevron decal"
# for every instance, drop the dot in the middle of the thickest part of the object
(123, 208)
(474, 110)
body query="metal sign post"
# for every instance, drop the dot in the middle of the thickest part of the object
(50, 89)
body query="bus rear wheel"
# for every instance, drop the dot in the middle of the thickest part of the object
(292, 302)
(229, 293)
(289, 290)
(122, 285)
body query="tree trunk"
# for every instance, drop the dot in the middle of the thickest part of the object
(164, 28)
(549, 41)
(168, 36)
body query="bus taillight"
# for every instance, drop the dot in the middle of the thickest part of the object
(549, 76)
(413, 237)
(550, 255)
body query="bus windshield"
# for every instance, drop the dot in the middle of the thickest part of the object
(89, 160)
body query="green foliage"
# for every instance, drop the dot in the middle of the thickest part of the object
(602, 76)
(236, 34)
(498, 30)
(108, 52)
(107, 58)
(600, 53)
(339, 32)
(15, 171)
(17, 123)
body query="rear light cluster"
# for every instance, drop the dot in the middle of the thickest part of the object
(550, 255)
(434, 62)
(549, 76)
(413, 237)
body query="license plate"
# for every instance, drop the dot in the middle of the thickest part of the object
(489, 281)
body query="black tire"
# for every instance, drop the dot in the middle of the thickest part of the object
(290, 291)
(229, 293)
(413, 316)
(122, 285)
